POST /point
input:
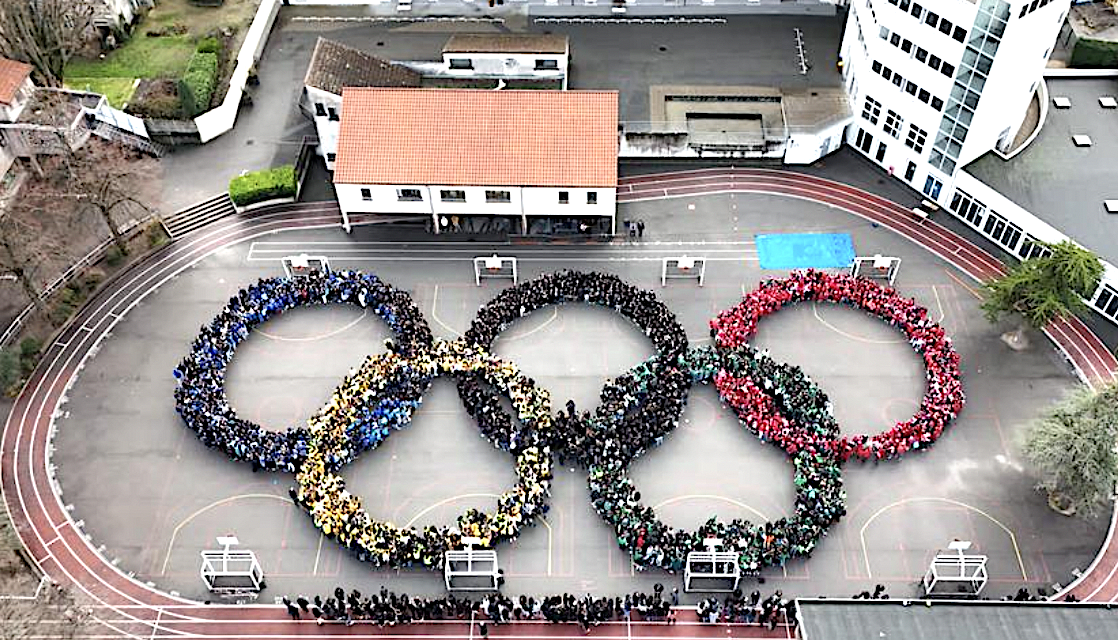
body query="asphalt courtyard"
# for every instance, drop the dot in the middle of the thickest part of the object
(149, 492)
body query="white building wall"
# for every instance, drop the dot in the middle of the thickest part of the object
(524, 202)
(326, 128)
(807, 148)
(508, 64)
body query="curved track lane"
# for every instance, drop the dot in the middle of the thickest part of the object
(130, 608)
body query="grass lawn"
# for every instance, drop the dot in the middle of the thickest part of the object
(140, 57)
(165, 56)
(117, 90)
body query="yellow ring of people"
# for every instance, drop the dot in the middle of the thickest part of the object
(340, 515)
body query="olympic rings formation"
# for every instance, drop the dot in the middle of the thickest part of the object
(777, 402)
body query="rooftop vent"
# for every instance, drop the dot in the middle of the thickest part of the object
(1062, 102)
(1081, 140)
(1108, 102)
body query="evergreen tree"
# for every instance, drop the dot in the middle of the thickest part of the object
(1072, 446)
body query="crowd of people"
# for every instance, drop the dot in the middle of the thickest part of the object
(339, 514)
(820, 499)
(388, 609)
(943, 399)
(775, 401)
(200, 393)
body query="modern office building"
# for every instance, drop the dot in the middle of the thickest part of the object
(935, 85)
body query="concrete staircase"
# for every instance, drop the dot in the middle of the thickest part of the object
(198, 215)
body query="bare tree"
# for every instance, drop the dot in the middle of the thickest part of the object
(37, 609)
(105, 179)
(18, 255)
(45, 33)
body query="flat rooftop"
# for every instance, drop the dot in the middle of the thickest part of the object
(918, 620)
(1062, 184)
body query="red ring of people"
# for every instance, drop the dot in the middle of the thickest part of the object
(943, 398)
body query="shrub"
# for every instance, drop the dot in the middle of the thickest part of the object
(257, 186)
(29, 354)
(9, 370)
(196, 87)
(1089, 52)
(156, 235)
(156, 99)
(113, 256)
(209, 45)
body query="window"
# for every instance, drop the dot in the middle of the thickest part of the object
(591, 197)
(895, 40)
(906, 45)
(330, 157)
(549, 64)
(876, 66)
(947, 70)
(893, 123)
(409, 195)
(319, 109)
(884, 33)
(910, 88)
(871, 110)
(931, 19)
(916, 10)
(366, 194)
(921, 54)
(898, 79)
(865, 141)
(924, 96)
(452, 195)
(960, 34)
(904, 5)
(1002, 231)
(1107, 301)
(910, 172)
(461, 63)
(968, 208)
(937, 104)
(932, 187)
(332, 114)
(887, 73)
(934, 61)
(945, 27)
(916, 138)
(564, 197)
(1031, 248)
(498, 196)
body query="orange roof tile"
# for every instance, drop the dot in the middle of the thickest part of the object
(12, 75)
(530, 138)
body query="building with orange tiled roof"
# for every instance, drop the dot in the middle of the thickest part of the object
(454, 156)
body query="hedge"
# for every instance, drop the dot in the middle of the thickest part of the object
(1089, 52)
(257, 186)
(196, 87)
(209, 45)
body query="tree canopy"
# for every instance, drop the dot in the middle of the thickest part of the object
(1045, 288)
(1072, 447)
(45, 34)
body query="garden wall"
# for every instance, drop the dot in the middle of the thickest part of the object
(221, 119)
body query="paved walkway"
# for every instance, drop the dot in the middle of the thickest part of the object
(129, 607)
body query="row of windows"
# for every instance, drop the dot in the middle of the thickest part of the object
(542, 64)
(492, 196)
(893, 124)
(322, 110)
(1023, 245)
(909, 86)
(921, 54)
(1033, 6)
(931, 19)
(916, 138)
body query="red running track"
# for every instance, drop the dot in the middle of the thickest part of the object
(127, 607)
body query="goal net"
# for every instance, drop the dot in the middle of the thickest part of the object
(304, 265)
(494, 266)
(956, 573)
(232, 573)
(683, 268)
(876, 267)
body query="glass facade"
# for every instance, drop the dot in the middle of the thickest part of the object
(978, 58)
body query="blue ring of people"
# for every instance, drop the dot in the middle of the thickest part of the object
(775, 401)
